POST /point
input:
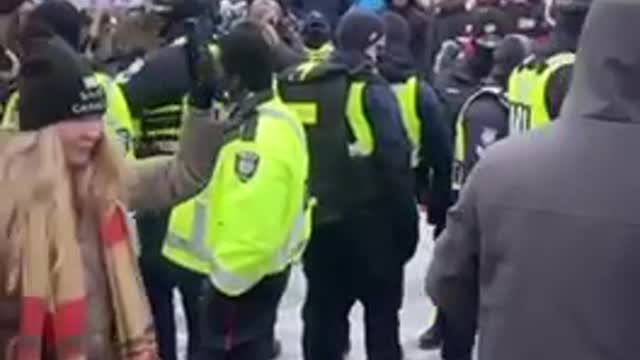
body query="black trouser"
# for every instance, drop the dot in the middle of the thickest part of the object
(242, 327)
(161, 277)
(346, 262)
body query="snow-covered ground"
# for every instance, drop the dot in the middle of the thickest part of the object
(417, 312)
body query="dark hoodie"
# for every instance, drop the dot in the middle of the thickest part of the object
(436, 149)
(422, 30)
(542, 248)
(356, 31)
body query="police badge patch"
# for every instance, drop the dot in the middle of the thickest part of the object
(246, 165)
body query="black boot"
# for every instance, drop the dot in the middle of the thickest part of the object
(431, 339)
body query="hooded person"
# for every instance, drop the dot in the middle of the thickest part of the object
(429, 134)
(365, 222)
(68, 276)
(156, 99)
(244, 248)
(538, 87)
(544, 231)
(484, 118)
(421, 31)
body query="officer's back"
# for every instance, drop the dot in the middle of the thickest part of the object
(548, 225)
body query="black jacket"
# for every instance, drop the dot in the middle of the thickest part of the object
(454, 86)
(392, 157)
(433, 179)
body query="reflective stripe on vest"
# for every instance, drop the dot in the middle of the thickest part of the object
(527, 92)
(118, 120)
(407, 95)
(188, 245)
(356, 114)
(322, 53)
(459, 172)
(10, 115)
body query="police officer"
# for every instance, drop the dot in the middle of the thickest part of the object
(157, 101)
(484, 118)
(422, 118)
(487, 27)
(316, 34)
(538, 87)
(366, 219)
(251, 223)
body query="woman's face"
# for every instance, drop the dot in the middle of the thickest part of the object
(80, 138)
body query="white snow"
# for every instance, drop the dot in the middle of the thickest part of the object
(417, 312)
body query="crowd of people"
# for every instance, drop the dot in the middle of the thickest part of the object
(208, 147)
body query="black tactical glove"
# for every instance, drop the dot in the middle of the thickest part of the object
(202, 66)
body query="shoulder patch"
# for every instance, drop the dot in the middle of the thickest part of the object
(247, 163)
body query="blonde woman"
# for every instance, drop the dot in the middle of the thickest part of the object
(69, 286)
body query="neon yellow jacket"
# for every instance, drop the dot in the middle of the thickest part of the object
(253, 219)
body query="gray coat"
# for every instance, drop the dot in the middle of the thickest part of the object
(543, 248)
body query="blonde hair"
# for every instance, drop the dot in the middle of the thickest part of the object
(40, 197)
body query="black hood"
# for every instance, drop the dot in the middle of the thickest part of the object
(396, 63)
(606, 76)
(397, 67)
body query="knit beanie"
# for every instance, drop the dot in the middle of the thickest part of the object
(358, 30)
(56, 84)
(63, 18)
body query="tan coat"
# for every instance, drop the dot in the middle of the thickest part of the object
(155, 183)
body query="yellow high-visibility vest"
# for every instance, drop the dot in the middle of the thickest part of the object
(528, 90)
(253, 218)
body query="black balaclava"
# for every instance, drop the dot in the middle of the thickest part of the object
(396, 62)
(56, 83)
(316, 30)
(247, 58)
(488, 28)
(512, 52)
(357, 31)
